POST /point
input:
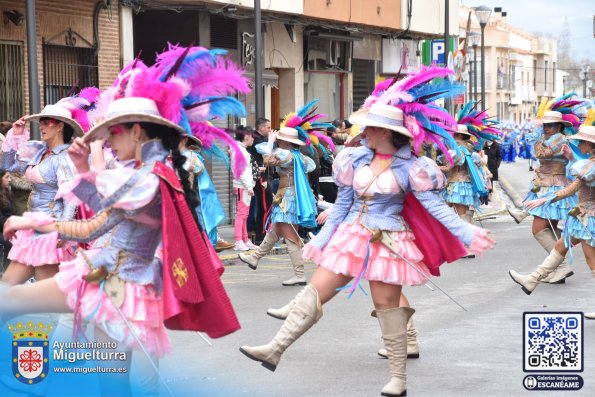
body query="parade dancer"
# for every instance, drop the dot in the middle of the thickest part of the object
(465, 181)
(129, 294)
(294, 204)
(551, 177)
(46, 165)
(580, 224)
(374, 181)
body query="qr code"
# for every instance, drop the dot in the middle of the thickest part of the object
(553, 342)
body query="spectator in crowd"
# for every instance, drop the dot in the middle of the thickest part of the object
(494, 153)
(263, 190)
(340, 135)
(244, 191)
(6, 210)
(20, 187)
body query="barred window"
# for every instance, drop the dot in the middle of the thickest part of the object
(11, 80)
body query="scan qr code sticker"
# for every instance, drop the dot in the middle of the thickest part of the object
(553, 342)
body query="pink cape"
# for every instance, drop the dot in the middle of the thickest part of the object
(193, 296)
(434, 240)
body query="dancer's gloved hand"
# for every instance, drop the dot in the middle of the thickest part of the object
(535, 203)
(15, 223)
(567, 152)
(79, 152)
(323, 216)
(481, 240)
(18, 127)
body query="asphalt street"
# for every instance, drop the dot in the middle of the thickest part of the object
(477, 352)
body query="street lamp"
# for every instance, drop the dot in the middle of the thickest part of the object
(483, 15)
(474, 38)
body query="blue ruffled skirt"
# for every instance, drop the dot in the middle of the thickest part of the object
(555, 211)
(286, 211)
(577, 230)
(461, 193)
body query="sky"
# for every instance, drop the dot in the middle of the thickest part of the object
(547, 16)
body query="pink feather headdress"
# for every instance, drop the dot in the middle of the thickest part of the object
(414, 95)
(80, 105)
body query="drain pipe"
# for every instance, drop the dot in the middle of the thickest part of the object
(34, 89)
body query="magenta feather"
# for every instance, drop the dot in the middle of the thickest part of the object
(80, 116)
(91, 94)
(222, 79)
(293, 121)
(167, 95)
(324, 138)
(425, 75)
(208, 134)
(573, 119)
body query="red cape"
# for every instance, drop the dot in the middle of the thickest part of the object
(193, 296)
(434, 240)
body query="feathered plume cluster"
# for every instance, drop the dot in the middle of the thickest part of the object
(478, 123)
(565, 105)
(80, 105)
(311, 131)
(191, 86)
(415, 95)
(590, 120)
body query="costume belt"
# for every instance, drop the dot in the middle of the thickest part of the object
(285, 181)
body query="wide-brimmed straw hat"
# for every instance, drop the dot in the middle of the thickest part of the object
(289, 134)
(382, 116)
(59, 113)
(462, 129)
(552, 116)
(193, 140)
(585, 133)
(130, 110)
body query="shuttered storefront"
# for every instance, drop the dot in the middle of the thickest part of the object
(224, 34)
(363, 80)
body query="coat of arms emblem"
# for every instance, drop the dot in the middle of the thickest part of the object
(30, 351)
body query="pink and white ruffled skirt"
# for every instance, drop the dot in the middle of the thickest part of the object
(142, 307)
(39, 250)
(346, 254)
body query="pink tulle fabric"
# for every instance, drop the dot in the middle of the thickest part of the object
(39, 250)
(346, 253)
(142, 308)
(14, 142)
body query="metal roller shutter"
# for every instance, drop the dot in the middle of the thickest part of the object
(363, 80)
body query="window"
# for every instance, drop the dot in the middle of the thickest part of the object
(554, 78)
(545, 77)
(66, 67)
(535, 73)
(11, 80)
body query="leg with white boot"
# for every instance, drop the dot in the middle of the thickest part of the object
(529, 282)
(412, 345)
(265, 247)
(306, 312)
(295, 254)
(465, 215)
(545, 236)
(393, 323)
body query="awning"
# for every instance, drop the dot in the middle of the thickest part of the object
(269, 77)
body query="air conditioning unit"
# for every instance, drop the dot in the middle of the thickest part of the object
(333, 52)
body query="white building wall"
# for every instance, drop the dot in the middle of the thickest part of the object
(287, 6)
(428, 16)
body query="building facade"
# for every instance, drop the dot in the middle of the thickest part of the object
(521, 68)
(333, 50)
(78, 45)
